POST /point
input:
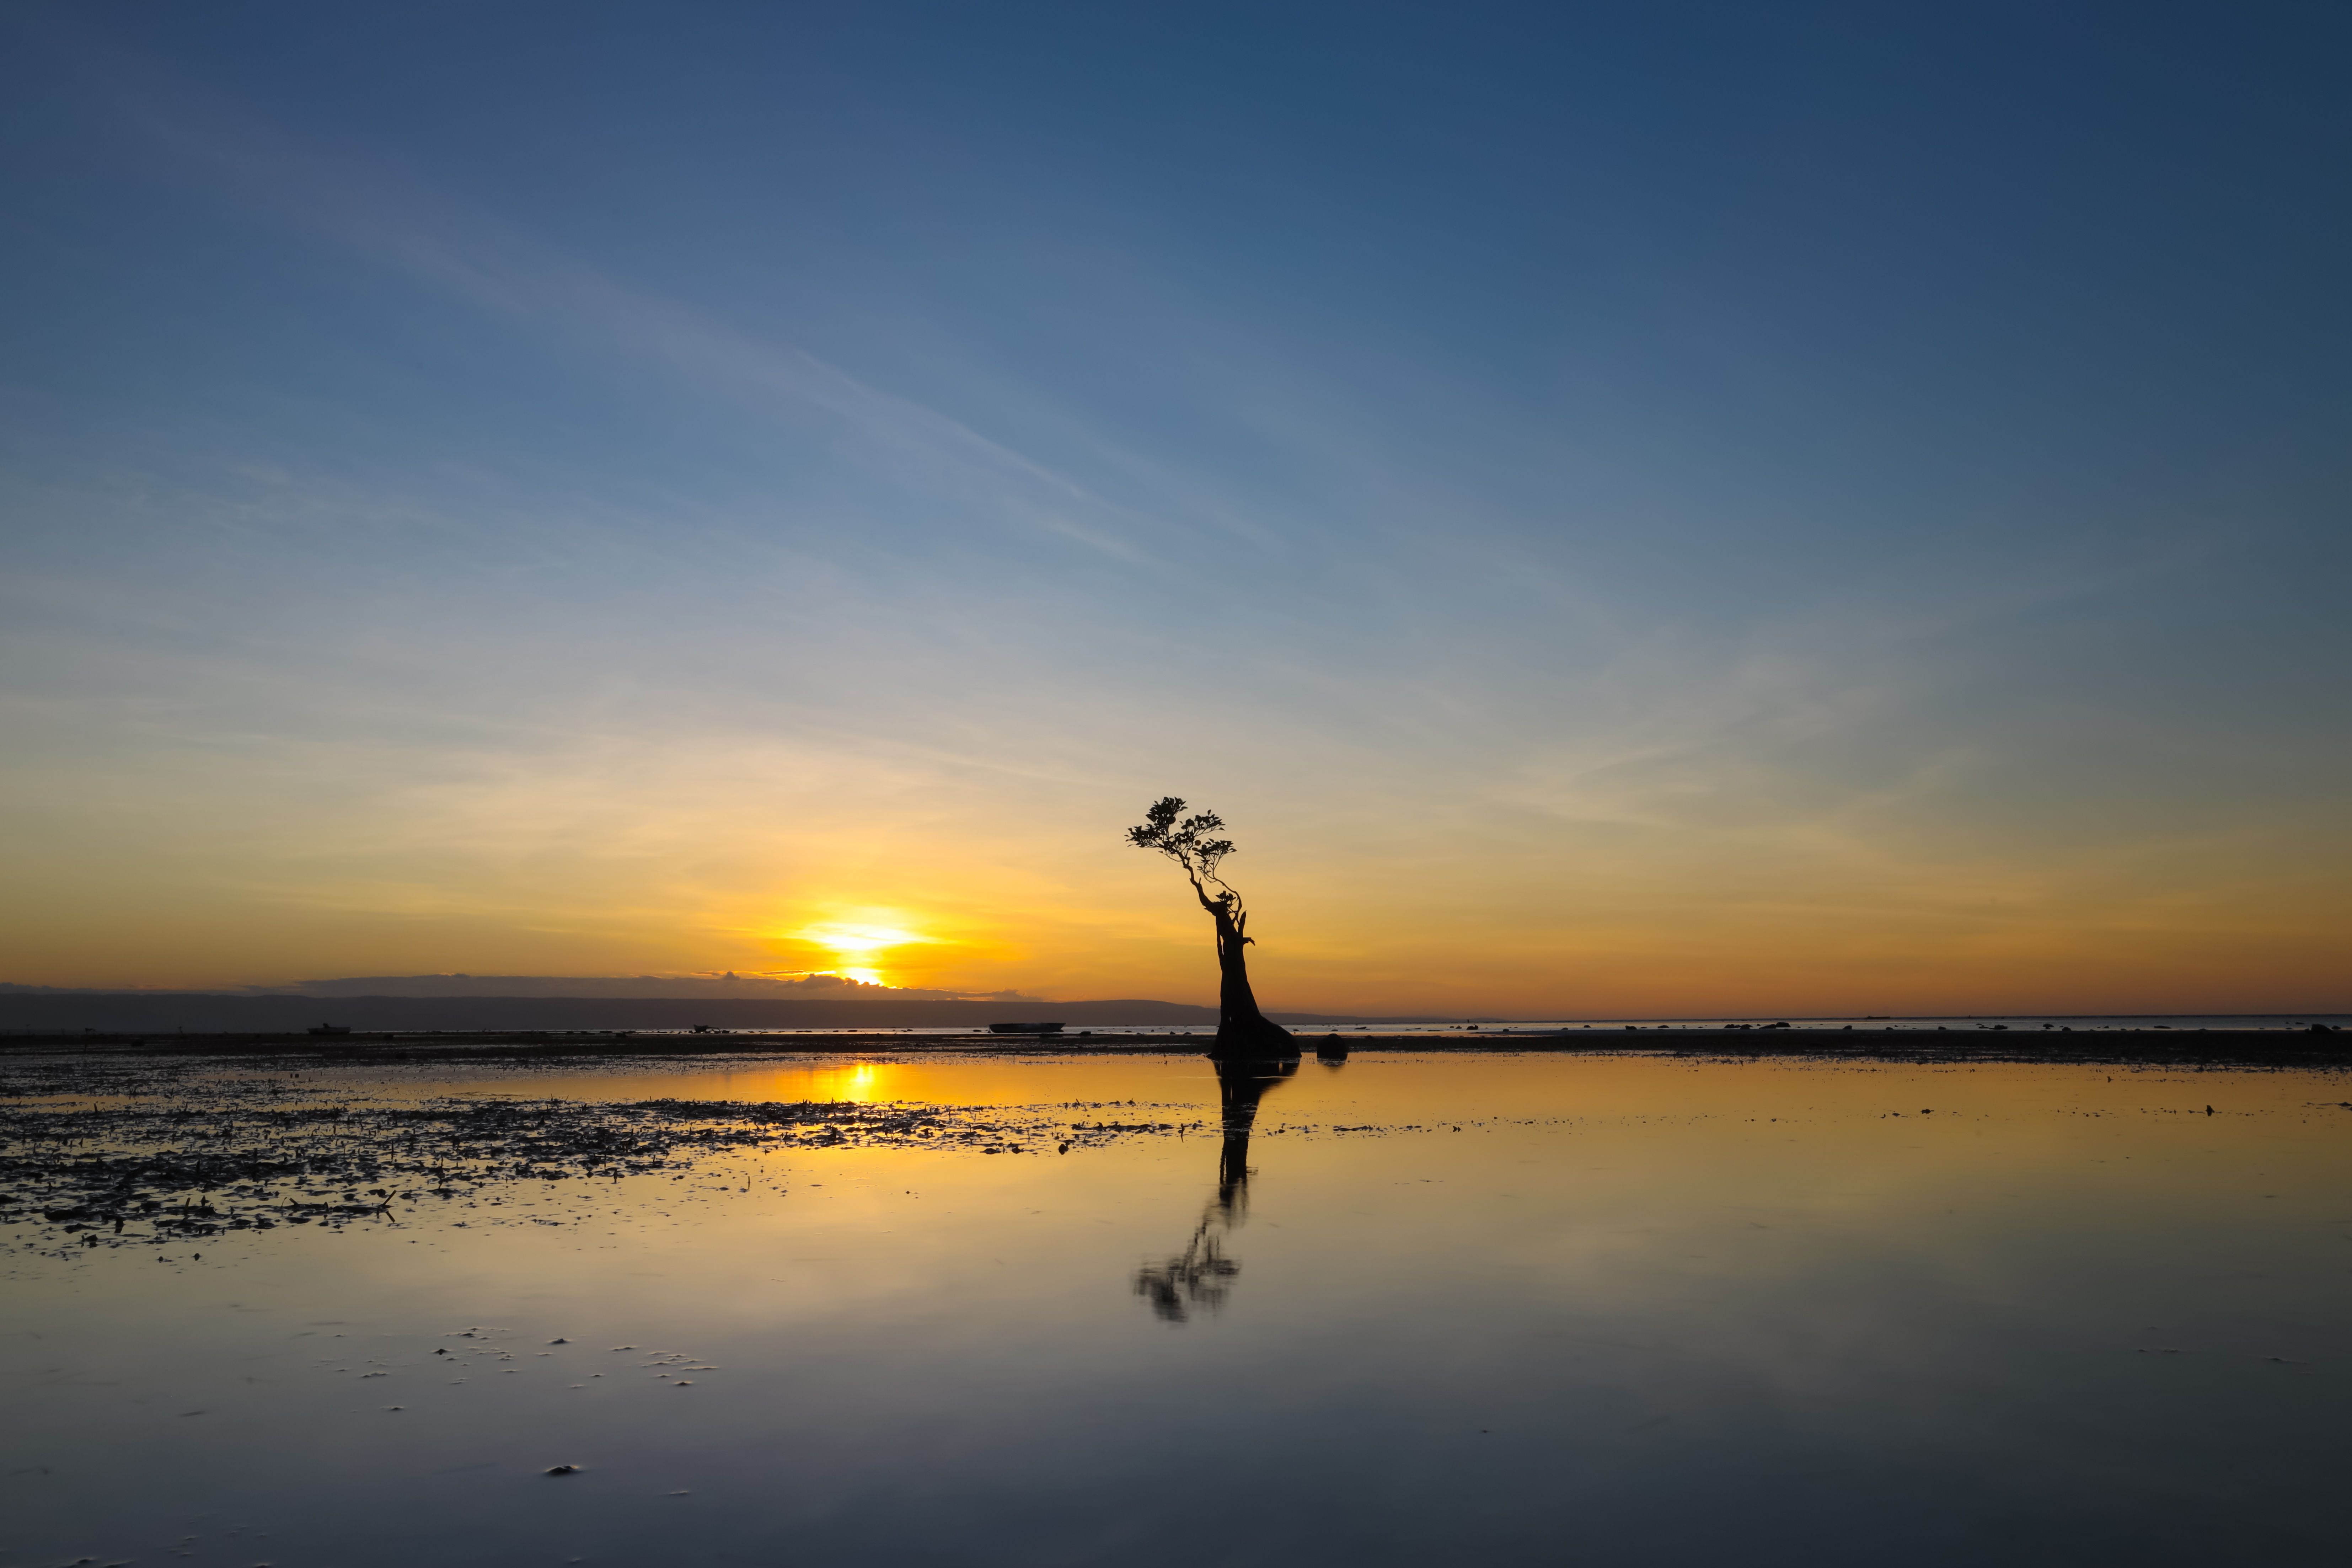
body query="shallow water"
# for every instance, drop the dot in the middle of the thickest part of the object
(1539, 1309)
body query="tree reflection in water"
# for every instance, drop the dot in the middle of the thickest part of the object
(1200, 1277)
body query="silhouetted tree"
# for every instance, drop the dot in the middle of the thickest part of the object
(1242, 1029)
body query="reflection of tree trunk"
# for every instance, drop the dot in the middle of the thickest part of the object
(1200, 1276)
(1242, 1029)
(1240, 1086)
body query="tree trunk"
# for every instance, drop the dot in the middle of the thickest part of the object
(1242, 1029)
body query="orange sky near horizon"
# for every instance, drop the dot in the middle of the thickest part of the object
(1489, 906)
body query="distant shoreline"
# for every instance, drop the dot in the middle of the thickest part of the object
(26, 1012)
(2181, 1045)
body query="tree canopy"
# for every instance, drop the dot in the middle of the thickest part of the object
(1185, 840)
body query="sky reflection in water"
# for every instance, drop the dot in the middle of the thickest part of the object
(1633, 1311)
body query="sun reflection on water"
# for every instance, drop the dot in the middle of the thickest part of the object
(862, 1083)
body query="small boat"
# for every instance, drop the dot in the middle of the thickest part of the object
(333, 1029)
(1025, 1029)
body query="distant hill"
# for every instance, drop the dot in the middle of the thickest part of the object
(25, 1009)
(162, 1012)
(729, 986)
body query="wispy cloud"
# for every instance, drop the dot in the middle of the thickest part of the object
(389, 217)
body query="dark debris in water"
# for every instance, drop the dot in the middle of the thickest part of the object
(106, 1157)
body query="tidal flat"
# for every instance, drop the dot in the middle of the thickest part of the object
(967, 1307)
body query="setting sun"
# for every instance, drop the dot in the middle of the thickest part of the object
(855, 946)
(858, 941)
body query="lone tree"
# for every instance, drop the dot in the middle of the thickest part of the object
(1242, 1029)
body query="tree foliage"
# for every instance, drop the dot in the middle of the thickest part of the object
(1188, 841)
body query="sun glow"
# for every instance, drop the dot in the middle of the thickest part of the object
(856, 947)
(858, 941)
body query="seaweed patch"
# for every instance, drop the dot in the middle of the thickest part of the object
(104, 1158)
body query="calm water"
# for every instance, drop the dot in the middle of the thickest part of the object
(1498, 1308)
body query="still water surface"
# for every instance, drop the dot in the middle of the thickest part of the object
(1501, 1309)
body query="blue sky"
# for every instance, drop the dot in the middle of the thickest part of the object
(1811, 504)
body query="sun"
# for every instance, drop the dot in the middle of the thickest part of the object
(855, 946)
(857, 941)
